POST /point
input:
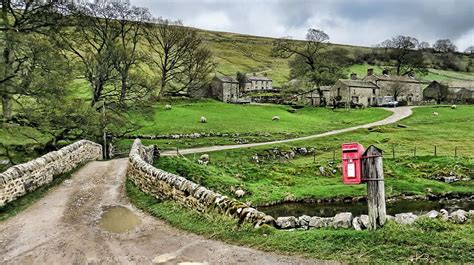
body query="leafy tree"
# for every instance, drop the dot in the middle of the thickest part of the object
(25, 29)
(313, 60)
(402, 50)
(444, 45)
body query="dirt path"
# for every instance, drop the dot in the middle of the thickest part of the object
(398, 114)
(63, 228)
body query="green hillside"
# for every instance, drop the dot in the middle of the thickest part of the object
(251, 54)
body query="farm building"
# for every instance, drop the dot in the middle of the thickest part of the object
(254, 83)
(357, 92)
(225, 88)
(228, 89)
(401, 88)
(452, 92)
(374, 90)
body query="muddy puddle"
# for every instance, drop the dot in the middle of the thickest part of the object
(118, 219)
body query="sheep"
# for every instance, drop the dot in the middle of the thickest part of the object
(167, 107)
(453, 107)
(435, 113)
(203, 120)
(239, 193)
(275, 118)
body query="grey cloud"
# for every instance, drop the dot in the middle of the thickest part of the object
(357, 22)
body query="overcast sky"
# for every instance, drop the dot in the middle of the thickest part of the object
(356, 22)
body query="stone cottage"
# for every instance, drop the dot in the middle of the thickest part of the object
(401, 88)
(452, 92)
(225, 88)
(256, 83)
(359, 92)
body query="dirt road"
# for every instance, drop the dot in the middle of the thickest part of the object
(398, 114)
(63, 228)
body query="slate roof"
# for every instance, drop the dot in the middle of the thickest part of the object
(227, 79)
(257, 78)
(358, 83)
(461, 84)
(394, 78)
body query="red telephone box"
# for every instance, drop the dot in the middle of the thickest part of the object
(351, 163)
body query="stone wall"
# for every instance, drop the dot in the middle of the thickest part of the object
(167, 186)
(24, 178)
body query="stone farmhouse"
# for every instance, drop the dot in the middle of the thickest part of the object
(374, 90)
(452, 92)
(227, 88)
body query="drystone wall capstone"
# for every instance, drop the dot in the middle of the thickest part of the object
(24, 178)
(167, 186)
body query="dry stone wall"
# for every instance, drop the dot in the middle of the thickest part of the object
(167, 186)
(24, 178)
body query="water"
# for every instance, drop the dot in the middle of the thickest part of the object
(118, 219)
(329, 209)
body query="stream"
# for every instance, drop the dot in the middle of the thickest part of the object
(329, 209)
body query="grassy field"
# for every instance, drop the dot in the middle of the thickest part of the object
(426, 241)
(300, 178)
(231, 118)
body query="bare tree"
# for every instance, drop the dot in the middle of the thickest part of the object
(402, 50)
(396, 89)
(469, 50)
(130, 25)
(171, 45)
(444, 45)
(93, 25)
(423, 45)
(197, 71)
(313, 59)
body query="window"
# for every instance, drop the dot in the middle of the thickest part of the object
(338, 91)
(355, 99)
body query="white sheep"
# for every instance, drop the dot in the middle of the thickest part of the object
(275, 118)
(453, 107)
(435, 113)
(203, 120)
(239, 193)
(167, 107)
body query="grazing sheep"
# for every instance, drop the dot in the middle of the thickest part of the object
(167, 107)
(203, 120)
(453, 107)
(435, 113)
(275, 118)
(239, 193)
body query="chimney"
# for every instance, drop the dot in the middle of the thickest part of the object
(370, 71)
(354, 76)
(386, 72)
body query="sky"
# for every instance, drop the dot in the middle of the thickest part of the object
(356, 22)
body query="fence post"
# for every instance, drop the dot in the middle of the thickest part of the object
(455, 151)
(372, 171)
(177, 151)
(435, 151)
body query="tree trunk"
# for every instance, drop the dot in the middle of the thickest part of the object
(6, 107)
(123, 91)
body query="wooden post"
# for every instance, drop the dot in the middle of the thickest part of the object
(435, 151)
(177, 151)
(455, 151)
(372, 172)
